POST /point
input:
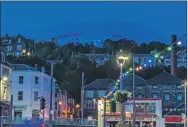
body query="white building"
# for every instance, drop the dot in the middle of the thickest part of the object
(148, 112)
(28, 85)
(5, 84)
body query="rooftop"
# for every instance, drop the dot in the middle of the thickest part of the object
(99, 84)
(164, 78)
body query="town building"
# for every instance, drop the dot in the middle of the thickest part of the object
(65, 104)
(18, 45)
(147, 112)
(181, 59)
(5, 84)
(29, 85)
(163, 87)
(96, 89)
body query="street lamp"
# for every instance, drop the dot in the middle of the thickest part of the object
(185, 94)
(121, 58)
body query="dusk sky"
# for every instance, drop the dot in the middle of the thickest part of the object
(139, 21)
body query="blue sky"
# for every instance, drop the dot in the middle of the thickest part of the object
(140, 21)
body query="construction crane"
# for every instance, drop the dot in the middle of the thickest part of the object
(68, 35)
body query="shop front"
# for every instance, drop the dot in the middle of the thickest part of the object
(174, 121)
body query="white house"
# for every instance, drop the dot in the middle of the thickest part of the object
(28, 85)
(5, 84)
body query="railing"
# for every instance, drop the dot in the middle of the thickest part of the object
(76, 121)
(22, 120)
(59, 121)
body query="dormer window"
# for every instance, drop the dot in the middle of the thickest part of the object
(19, 40)
(19, 47)
(10, 41)
(2, 57)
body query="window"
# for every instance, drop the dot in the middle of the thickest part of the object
(5, 71)
(90, 93)
(155, 86)
(19, 47)
(101, 93)
(155, 95)
(179, 86)
(139, 87)
(20, 95)
(2, 57)
(36, 80)
(9, 48)
(139, 96)
(21, 78)
(167, 97)
(179, 97)
(36, 95)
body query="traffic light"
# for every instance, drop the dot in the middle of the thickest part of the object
(113, 106)
(42, 103)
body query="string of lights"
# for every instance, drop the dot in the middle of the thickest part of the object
(139, 68)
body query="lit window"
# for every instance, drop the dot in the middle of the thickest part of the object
(167, 97)
(101, 93)
(155, 86)
(139, 96)
(90, 93)
(179, 97)
(179, 86)
(155, 95)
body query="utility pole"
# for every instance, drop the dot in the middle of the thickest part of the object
(11, 107)
(134, 111)
(52, 62)
(82, 97)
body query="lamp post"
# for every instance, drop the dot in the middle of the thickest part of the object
(121, 58)
(134, 111)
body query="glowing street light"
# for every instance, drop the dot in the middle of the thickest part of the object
(5, 78)
(23, 50)
(169, 48)
(77, 105)
(60, 102)
(179, 42)
(156, 55)
(121, 57)
(28, 54)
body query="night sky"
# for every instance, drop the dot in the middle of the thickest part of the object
(139, 21)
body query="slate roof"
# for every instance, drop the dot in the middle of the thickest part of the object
(99, 84)
(164, 78)
(128, 80)
(21, 67)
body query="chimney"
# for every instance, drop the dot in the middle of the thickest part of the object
(173, 56)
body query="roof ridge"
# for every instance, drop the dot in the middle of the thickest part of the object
(173, 76)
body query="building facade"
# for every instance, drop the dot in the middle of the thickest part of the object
(96, 89)
(5, 84)
(65, 104)
(29, 85)
(18, 45)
